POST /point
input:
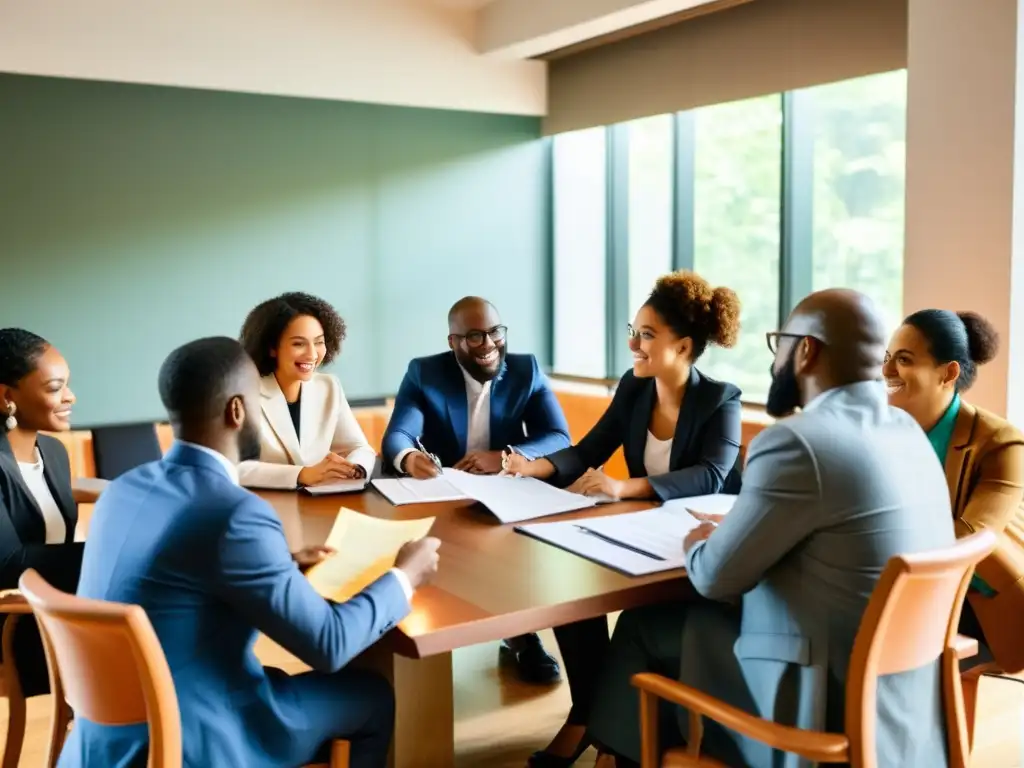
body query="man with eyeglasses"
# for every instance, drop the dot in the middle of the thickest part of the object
(461, 409)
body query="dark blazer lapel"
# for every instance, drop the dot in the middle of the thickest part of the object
(688, 414)
(639, 420)
(26, 515)
(960, 453)
(458, 407)
(60, 486)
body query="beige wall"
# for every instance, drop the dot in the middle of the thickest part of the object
(766, 46)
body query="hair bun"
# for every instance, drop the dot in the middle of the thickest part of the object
(982, 337)
(725, 306)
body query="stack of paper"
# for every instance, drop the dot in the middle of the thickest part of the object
(510, 499)
(365, 549)
(636, 543)
(342, 486)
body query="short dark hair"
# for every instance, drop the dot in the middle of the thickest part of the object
(964, 337)
(262, 329)
(20, 350)
(197, 378)
(688, 304)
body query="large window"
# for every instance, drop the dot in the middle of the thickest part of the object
(736, 194)
(579, 188)
(650, 174)
(859, 134)
(773, 197)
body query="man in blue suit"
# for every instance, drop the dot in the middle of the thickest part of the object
(465, 407)
(209, 563)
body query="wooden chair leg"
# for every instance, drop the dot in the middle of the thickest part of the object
(59, 725)
(649, 753)
(15, 731)
(339, 753)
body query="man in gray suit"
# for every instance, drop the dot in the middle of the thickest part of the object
(829, 495)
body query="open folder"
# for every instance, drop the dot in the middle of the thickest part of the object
(365, 549)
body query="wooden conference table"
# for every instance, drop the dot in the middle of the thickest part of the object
(492, 583)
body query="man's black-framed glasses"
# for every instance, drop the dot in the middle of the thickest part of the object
(476, 338)
(774, 337)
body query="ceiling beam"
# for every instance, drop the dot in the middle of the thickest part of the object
(522, 29)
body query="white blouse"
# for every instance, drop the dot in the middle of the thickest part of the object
(657, 455)
(56, 528)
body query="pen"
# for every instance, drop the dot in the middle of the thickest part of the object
(610, 540)
(429, 455)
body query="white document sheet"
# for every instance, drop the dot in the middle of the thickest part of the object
(654, 532)
(581, 537)
(712, 504)
(512, 499)
(342, 486)
(406, 490)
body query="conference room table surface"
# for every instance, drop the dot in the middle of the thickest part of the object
(492, 583)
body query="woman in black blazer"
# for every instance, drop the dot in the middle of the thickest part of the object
(37, 510)
(680, 432)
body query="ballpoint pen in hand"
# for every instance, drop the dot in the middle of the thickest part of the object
(428, 454)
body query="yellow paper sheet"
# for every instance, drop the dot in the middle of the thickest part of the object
(365, 548)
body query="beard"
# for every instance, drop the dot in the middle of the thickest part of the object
(784, 393)
(249, 441)
(477, 371)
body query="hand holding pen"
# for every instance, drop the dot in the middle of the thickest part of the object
(421, 464)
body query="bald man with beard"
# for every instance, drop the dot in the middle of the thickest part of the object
(830, 492)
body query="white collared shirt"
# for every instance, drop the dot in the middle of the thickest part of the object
(35, 479)
(232, 472)
(478, 410)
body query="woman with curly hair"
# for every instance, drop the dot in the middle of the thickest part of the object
(680, 432)
(38, 514)
(933, 358)
(309, 435)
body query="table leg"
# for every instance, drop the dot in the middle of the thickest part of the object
(424, 707)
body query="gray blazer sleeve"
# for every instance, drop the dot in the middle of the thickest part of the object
(777, 508)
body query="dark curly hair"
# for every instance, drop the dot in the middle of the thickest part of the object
(966, 337)
(20, 350)
(688, 304)
(262, 329)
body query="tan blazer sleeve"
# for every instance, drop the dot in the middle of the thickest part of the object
(349, 440)
(999, 489)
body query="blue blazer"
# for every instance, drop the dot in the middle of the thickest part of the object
(209, 563)
(431, 405)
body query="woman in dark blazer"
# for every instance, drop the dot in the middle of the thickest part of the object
(37, 510)
(680, 432)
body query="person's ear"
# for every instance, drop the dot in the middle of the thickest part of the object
(451, 342)
(951, 373)
(234, 415)
(807, 351)
(685, 347)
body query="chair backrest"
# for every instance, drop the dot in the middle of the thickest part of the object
(106, 660)
(910, 621)
(120, 448)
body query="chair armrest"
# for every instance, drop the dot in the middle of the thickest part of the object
(965, 647)
(13, 602)
(86, 490)
(814, 745)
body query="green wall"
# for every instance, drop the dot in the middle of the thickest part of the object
(135, 218)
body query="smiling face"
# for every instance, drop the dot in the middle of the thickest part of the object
(914, 379)
(300, 349)
(656, 348)
(477, 338)
(42, 399)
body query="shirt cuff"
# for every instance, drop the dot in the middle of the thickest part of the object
(401, 456)
(403, 580)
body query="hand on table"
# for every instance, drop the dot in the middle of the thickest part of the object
(330, 469)
(697, 535)
(418, 559)
(419, 466)
(310, 556)
(594, 482)
(481, 462)
(707, 517)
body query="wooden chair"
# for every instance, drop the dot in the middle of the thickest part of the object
(105, 661)
(12, 606)
(911, 620)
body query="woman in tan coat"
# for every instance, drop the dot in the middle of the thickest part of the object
(932, 359)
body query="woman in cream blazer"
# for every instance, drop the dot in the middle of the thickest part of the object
(932, 359)
(309, 435)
